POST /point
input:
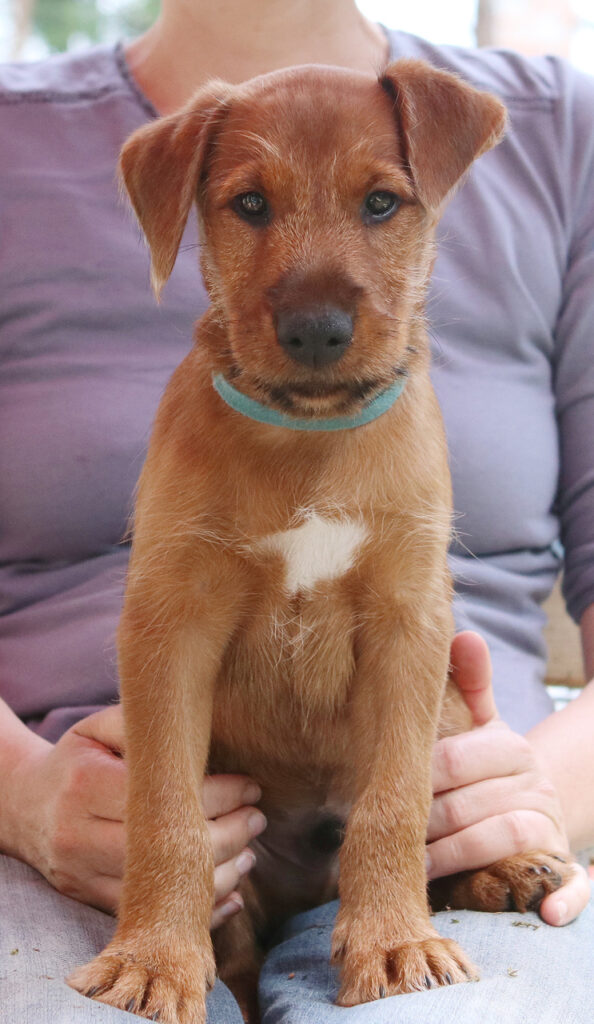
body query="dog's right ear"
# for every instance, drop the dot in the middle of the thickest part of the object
(161, 165)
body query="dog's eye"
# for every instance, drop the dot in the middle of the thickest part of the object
(380, 205)
(251, 206)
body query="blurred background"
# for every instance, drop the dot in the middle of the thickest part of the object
(31, 29)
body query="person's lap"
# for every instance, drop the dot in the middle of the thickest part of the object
(43, 937)
(529, 972)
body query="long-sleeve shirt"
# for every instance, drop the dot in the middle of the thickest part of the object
(85, 354)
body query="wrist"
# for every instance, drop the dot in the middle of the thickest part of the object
(562, 744)
(20, 753)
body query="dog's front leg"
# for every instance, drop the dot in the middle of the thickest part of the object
(383, 937)
(160, 962)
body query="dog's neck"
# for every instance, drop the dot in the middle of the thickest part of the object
(265, 414)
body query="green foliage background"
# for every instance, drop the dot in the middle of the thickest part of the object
(57, 20)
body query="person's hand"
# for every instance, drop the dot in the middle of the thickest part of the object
(491, 796)
(69, 802)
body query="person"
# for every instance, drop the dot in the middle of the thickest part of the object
(86, 354)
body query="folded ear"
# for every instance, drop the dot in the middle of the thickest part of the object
(445, 124)
(161, 165)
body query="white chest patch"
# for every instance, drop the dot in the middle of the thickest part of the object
(317, 550)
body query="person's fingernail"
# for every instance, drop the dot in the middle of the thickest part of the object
(233, 904)
(428, 864)
(256, 823)
(561, 913)
(252, 793)
(245, 861)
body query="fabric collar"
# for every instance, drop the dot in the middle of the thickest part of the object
(264, 414)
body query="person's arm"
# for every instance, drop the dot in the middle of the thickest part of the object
(563, 743)
(18, 745)
(62, 811)
(587, 631)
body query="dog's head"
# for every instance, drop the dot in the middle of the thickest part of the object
(318, 191)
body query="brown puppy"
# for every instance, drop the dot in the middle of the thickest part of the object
(288, 604)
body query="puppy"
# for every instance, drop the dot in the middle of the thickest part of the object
(288, 608)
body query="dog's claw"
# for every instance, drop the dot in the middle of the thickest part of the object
(541, 869)
(131, 978)
(415, 966)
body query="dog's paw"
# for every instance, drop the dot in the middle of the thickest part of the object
(410, 967)
(515, 883)
(170, 990)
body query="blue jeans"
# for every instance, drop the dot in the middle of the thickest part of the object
(530, 973)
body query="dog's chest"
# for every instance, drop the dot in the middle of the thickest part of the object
(293, 657)
(316, 551)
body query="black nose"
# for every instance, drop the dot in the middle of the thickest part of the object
(315, 338)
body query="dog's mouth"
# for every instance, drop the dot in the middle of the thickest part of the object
(317, 398)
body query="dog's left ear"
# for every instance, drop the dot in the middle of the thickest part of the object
(160, 167)
(445, 125)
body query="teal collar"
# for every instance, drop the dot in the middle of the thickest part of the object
(264, 414)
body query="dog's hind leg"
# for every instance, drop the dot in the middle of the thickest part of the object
(518, 883)
(239, 957)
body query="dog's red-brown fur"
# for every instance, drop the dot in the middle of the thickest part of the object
(329, 695)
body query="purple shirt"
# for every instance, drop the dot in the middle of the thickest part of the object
(85, 354)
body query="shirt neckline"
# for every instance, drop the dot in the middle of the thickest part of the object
(145, 103)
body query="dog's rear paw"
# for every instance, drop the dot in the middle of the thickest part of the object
(151, 986)
(411, 967)
(516, 883)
